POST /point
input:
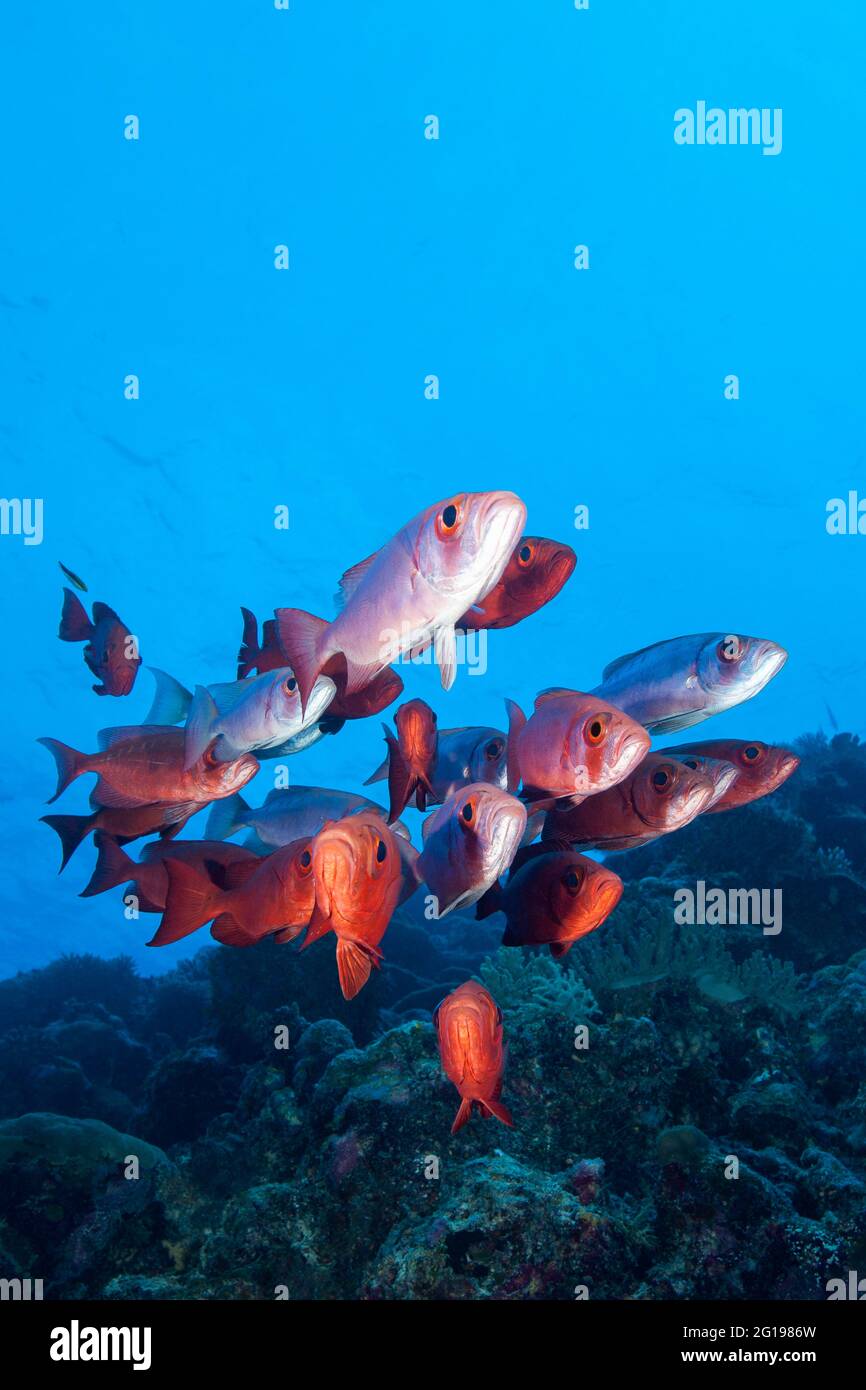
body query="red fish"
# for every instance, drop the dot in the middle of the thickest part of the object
(761, 767)
(661, 795)
(380, 692)
(572, 745)
(553, 898)
(123, 824)
(411, 757)
(111, 652)
(148, 877)
(358, 871)
(142, 766)
(271, 895)
(468, 1024)
(534, 575)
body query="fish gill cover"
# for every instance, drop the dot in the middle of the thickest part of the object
(452, 905)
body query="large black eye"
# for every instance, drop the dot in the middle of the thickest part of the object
(660, 778)
(493, 749)
(571, 879)
(526, 554)
(751, 752)
(468, 812)
(381, 852)
(306, 859)
(449, 515)
(291, 684)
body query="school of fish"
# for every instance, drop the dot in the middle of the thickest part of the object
(509, 813)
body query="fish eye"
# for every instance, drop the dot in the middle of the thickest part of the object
(493, 749)
(729, 649)
(752, 753)
(594, 730)
(468, 812)
(660, 779)
(524, 554)
(305, 860)
(572, 880)
(381, 852)
(690, 762)
(447, 519)
(209, 756)
(291, 685)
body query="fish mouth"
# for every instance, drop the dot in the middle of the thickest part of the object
(722, 780)
(319, 699)
(765, 662)
(630, 749)
(502, 825)
(606, 891)
(695, 798)
(561, 568)
(500, 521)
(788, 765)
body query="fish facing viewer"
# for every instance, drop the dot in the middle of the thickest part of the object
(759, 767)
(409, 594)
(111, 652)
(469, 842)
(468, 1026)
(553, 899)
(573, 745)
(534, 575)
(661, 795)
(358, 872)
(680, 682)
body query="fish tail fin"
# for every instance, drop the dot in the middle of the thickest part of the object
(171, 700)
(69, 763)
(401, 781)
(200, 726)
(490, 902)
(190, 901)
(230, 932)
(249, 651)
(113, 866)
(75, 626)
(516, 721)
(299, 635)
(464, 1111)
(72, 830)
(227, 817)
(498, 1111)
(353, 967)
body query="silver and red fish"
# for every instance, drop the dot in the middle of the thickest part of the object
(680, 682)
(659, 796)
(468, 1026)
(259, 715)
(534, 575)
(759, 767)
(290, 813)
(573, 745)
(111, 652)
(469, 842)
(408, 595)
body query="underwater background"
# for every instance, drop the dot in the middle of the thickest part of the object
(603, 388)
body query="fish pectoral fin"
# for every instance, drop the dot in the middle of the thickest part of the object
(498, 1110)
(445, 652)
(104, 794)
(353, 967)
(676, 721)
(200, 726)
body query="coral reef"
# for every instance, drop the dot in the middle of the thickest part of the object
(689, 1102)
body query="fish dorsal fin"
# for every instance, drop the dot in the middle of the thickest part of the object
(621, 661)
(353, 578)
(102, 611)
(553, 692)
(106, 738)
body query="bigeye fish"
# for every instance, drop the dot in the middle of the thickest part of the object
(659, 796)
(271, 896)
(409, 594)
(111, 652)
(535, 573)
(411, 757)
(147, 876)
(468, 1026)
(759, 767)
(573, 745)
(679, 682)
(469, 842)
(122, 823)
(261, 714)
(474, 754)
(358, 874)
(289, 813)
(553, 898)
(721, 773)
(140, 765)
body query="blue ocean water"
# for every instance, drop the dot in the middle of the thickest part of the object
(409, 257)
